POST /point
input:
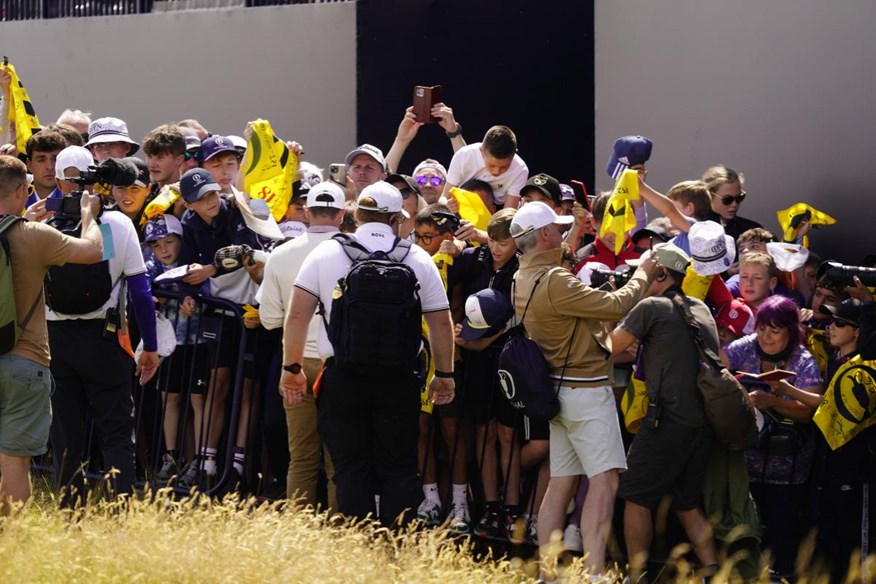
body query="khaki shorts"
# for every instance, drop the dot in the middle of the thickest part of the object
(25, 406)
(585, 435)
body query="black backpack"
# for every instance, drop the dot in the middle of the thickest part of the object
(77, 288)
(376, 317)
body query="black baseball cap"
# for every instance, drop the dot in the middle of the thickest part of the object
(547, 185)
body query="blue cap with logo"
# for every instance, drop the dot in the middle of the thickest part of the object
(162, 226)
(628, 151)
(196, 183)
(215, 145)
(486, 313)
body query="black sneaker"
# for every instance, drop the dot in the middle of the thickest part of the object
(191, 475)
(168, 470)
(490, 525)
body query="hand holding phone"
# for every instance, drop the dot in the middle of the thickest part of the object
(424, 99)
(338, 174)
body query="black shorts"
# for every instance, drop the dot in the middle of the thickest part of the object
(187, 369)
(534, 429)
(482, 391)
(668, 460)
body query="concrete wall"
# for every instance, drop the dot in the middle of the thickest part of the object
(292, 65)
(781, 90)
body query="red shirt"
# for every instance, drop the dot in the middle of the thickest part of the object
(604, 255)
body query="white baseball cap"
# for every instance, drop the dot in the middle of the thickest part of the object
(388, 199)
(75, 157)
(536, 215)
(326, 194)
(372, 151)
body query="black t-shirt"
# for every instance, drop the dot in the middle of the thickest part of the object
(670, 357)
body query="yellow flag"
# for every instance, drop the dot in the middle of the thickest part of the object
(271, 169)
(21, 110)
(695, 285)
(471, 208)
(634, 404)
(849, 404)
(790, 219)
(620, 216)
(161, 203)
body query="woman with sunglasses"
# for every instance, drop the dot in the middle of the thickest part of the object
(779, 466)
(841, 478)
(725, 188)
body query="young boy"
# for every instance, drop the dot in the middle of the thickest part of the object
(186, 369)
(434, 225)
(492, 266)
(210, 223)
(165, 149)
(495, 161)
(757, 278)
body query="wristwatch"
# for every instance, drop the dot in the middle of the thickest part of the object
(294, 368)
(455, 132)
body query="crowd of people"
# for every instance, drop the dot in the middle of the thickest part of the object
(373, 315)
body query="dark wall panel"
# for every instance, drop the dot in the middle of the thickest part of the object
(528, 65)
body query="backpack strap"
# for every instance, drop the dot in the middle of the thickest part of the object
(706, 354)
(5, 223)
(354, 250)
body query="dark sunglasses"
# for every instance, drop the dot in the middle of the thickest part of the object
(406, 192)
(435, 181)
(738, 198)
(840, 323)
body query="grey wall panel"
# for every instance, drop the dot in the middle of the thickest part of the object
(781, 90)
(293, 65)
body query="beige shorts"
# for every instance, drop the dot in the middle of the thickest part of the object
(585, 435)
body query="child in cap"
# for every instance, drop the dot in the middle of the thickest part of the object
(735, 320)
(186, 369)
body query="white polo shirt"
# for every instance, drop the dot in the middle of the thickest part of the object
(281, 270)
(127, 259)
(328, 263)
(468, 163)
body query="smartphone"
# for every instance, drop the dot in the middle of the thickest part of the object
(581, 194)
(424, 99)
(338, 174)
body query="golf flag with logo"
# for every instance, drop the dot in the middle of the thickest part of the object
(849, 404)
(471, 208)
(21, 111)
(620, 216)
(271, 169)
(791, 218)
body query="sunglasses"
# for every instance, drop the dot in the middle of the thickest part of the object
(406, 192)
(840, 323)
(435, 181)
(738, 199)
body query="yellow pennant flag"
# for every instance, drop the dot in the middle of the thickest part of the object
(471, 208)
(620, 216)
(271, 169)
(21, 111)
(791, 218)
(163, 201)
(849, 404)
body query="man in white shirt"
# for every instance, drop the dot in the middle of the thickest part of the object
(368, 412)
(495, 161)
(325, 211)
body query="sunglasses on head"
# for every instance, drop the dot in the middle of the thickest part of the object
(435, 181)
(730, 199)
(840, 323)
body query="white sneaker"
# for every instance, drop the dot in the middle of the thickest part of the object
(572, 539)
(429, 512)
(459, 519)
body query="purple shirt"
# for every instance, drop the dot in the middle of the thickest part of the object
(779, 469)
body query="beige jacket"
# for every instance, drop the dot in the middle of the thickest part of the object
(560, 299)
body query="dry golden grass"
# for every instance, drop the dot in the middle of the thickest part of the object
(160, 539)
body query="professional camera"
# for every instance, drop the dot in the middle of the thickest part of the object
(600, 277)
(112, 171)
(842, 275)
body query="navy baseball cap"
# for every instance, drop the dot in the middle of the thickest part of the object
(196, 183)
(628, 151)
(216, 145)
(848, 310)
(486, 313)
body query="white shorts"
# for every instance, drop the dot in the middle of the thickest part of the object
(585, 435)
